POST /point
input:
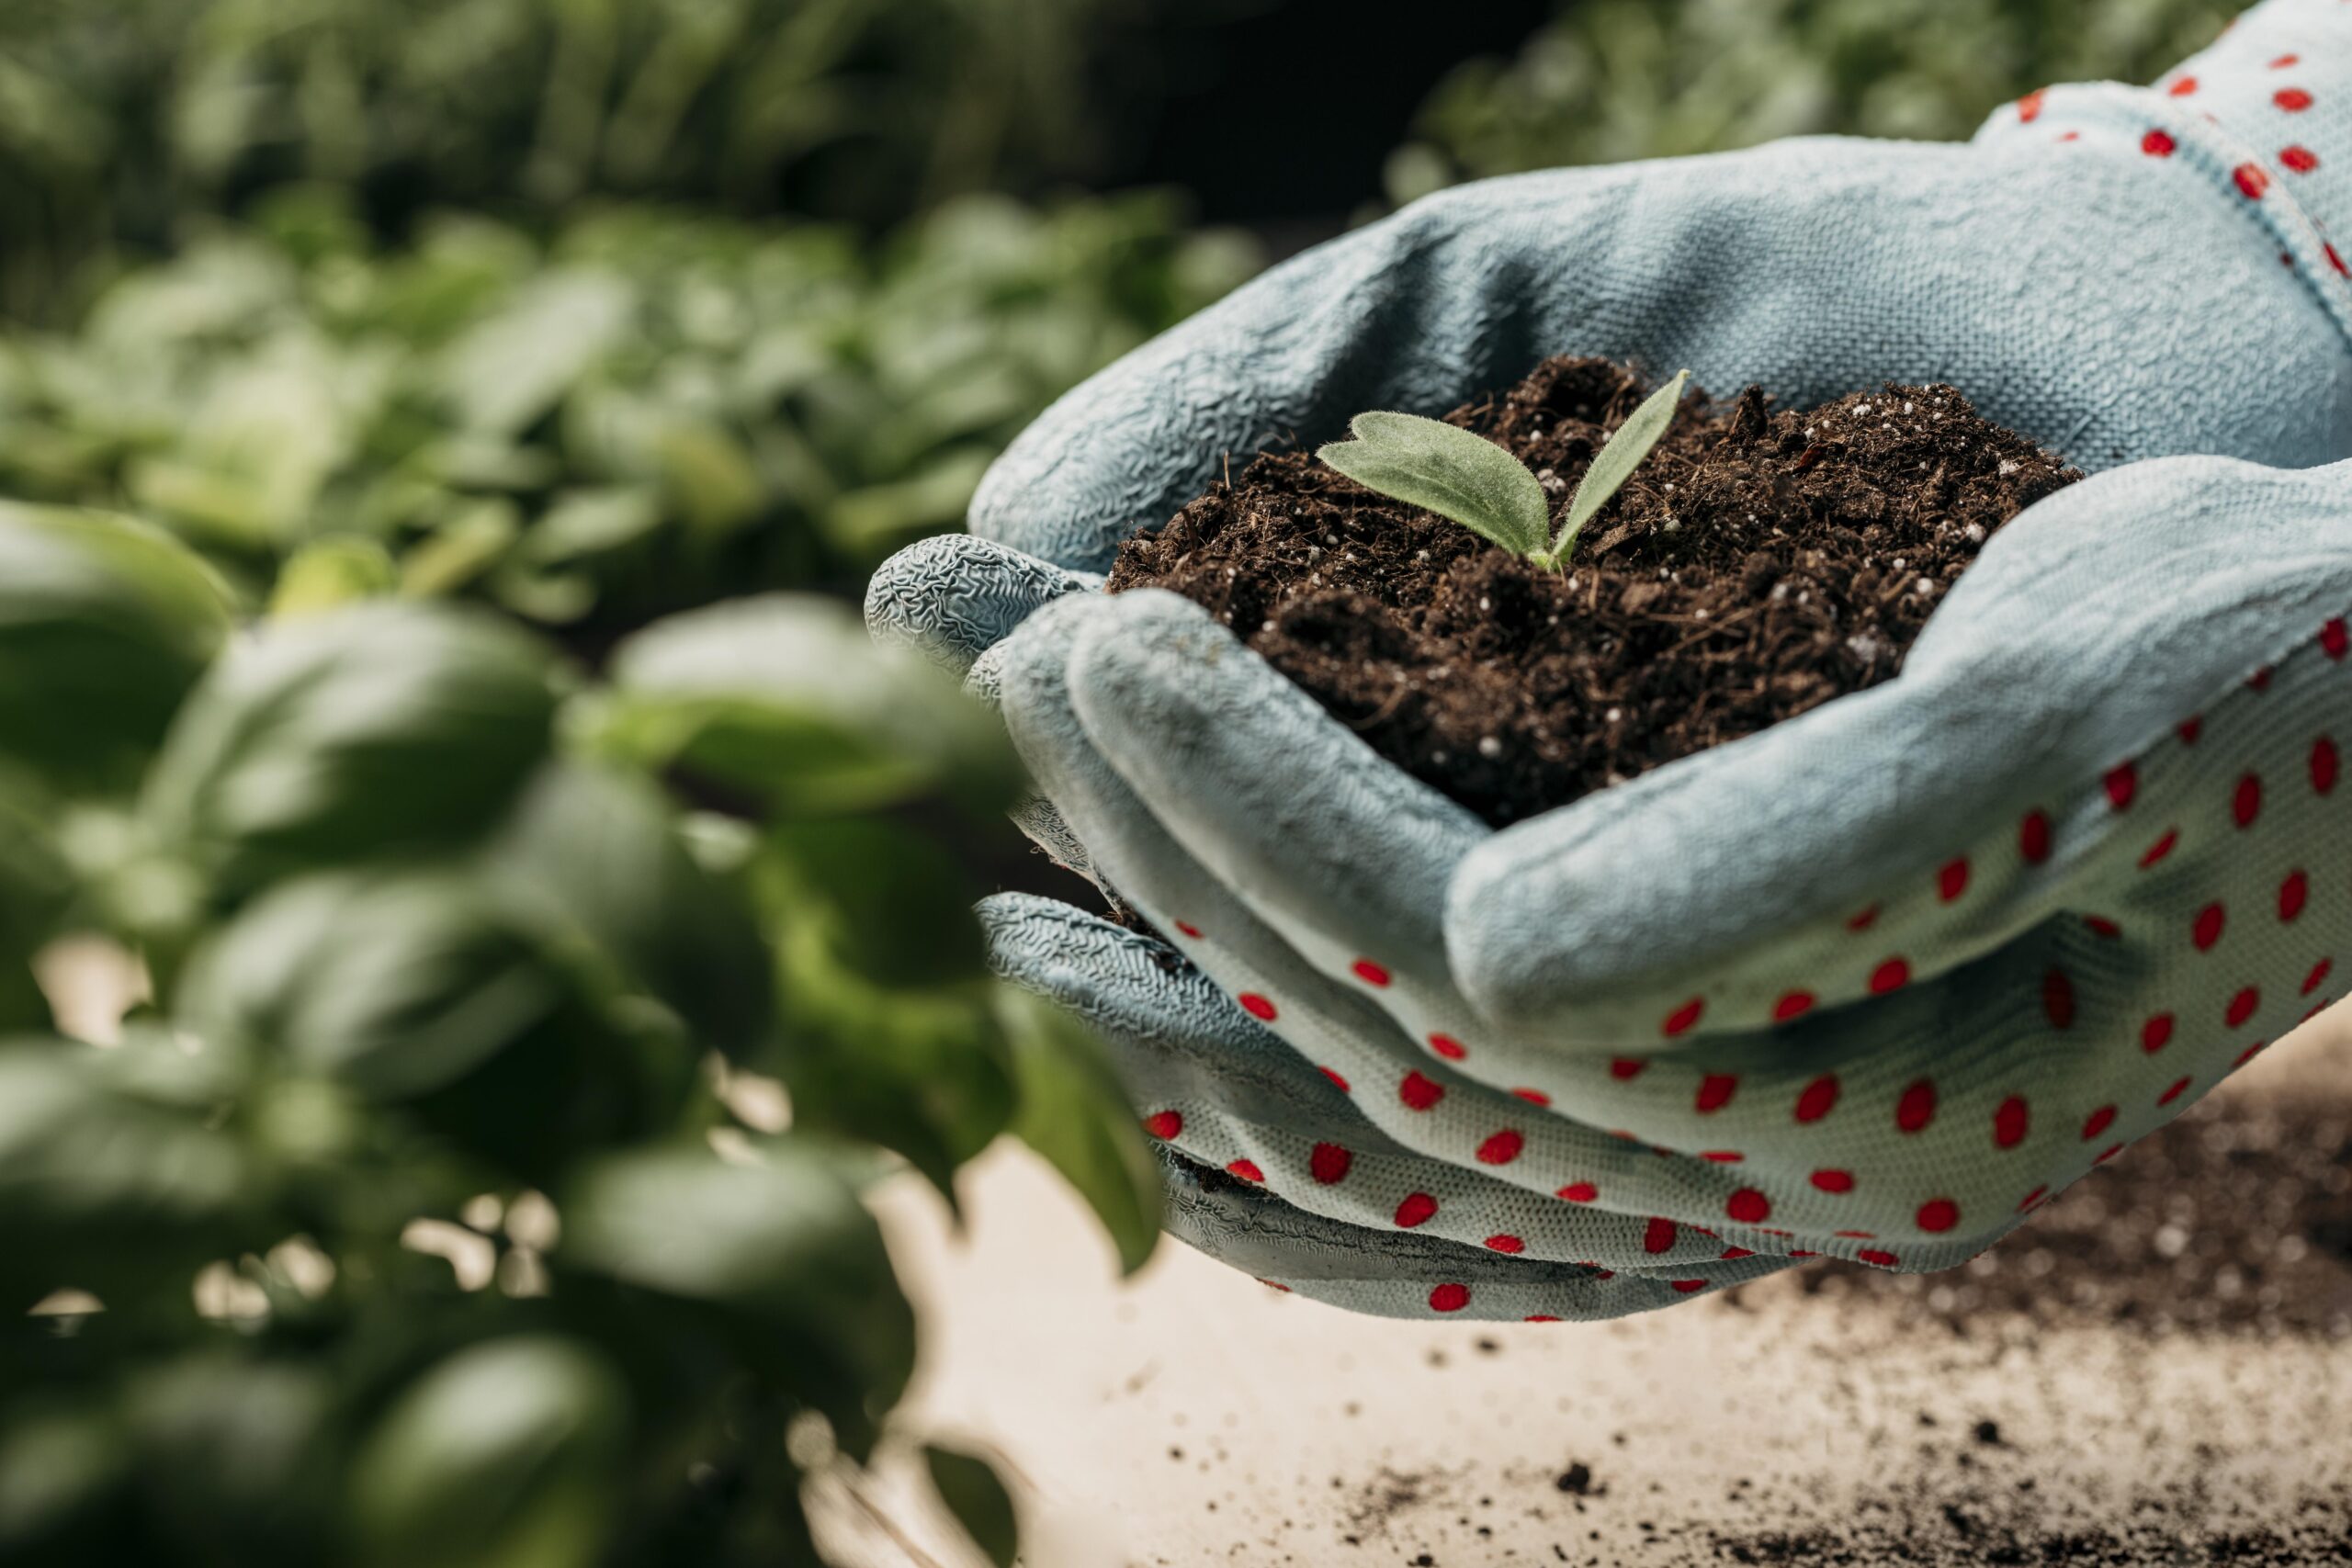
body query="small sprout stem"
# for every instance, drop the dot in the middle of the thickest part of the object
(1456, 474)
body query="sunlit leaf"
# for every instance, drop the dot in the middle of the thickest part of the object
(593, 860)
(375, 729)
(778, 1258)
(393, 984)
(504, 1455)
(103, 1184)
(329, 573)
(105, 624)
(784, 697)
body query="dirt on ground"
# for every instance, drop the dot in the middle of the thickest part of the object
(2154, 1373)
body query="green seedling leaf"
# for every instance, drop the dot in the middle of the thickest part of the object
(978, 1498)
(1448, 470)
(1616, 463)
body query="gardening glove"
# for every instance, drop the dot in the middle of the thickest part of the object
(1861, 985)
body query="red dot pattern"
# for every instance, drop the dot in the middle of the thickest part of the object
(2230, 934)
(1502, 1148)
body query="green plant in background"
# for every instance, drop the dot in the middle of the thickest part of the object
(478, 1183)
(118, 120)
(1445, 468)
(649, 411)
(1611, 80)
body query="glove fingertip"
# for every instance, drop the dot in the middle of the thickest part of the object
(951, 597)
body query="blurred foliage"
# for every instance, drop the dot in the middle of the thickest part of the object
(480, 1182)
(118, 120)
(1613, 80)
(648, 412)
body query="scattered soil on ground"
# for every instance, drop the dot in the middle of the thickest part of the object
(1758, 564)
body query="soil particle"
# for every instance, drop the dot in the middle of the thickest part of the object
(1758, 564)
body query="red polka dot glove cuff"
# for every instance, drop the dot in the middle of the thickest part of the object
(2264, 115)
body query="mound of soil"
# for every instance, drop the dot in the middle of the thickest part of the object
(1755, 565)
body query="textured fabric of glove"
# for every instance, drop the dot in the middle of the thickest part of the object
(1873, 983)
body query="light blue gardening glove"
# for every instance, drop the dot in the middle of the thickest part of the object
(1873, 983)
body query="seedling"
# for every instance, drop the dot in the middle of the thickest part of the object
(1446, 469)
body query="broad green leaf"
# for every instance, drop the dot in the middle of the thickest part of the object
(978, 1498)
(504, 1455)
(99, 1183)
(887, 902)
(1446, 469)
(1616, 463)
(786, 697)
(873, 519)
(376, 730)
(588, 523)
(462, 549)
(105, 624)
(393, 985)
(509, 371)
(420, 988)
(710, 477)
(329, 573)
(889, 1032)
(924, 1074)
(35, 891)
(593, 860)
(235, 1452)
(779, 1259)
(59, 1468)
(1074, 1114)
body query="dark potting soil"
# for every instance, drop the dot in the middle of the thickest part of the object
(1758, 564)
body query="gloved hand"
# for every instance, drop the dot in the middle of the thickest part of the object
(1872, 983)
